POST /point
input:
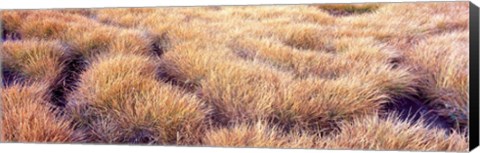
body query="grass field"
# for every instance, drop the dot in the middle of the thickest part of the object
(389, 76)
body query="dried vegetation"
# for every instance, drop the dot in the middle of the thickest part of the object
(299, 76)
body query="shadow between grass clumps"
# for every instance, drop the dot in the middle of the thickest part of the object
(10, 77)
(4, 35)
(413, 108)
(348, 9)
(10, 35)
(66, 82)
(160, 45)
(416, 108)
(167, 78)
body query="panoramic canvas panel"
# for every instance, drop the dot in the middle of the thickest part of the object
(370, 76)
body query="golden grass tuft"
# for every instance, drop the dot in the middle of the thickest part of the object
(132, 41)
(444, 73)
(104, 39)
(27, 117)
(89, 42)
(47, 28)
(85, 36)
(306, 36)
(369, 64)
(390, 133)
(37, 60)
(259, 134)
(11, 20)
(239, 93)
(44, 24)
(128, 17)
(325, 102)
(120, 100)
(345, 9)
(190, 62)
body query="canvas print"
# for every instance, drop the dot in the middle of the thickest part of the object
(369, 76)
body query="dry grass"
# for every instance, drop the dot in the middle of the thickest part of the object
(27, 117)
(85, 36)
(120, 100)
(36, 60)
(290, 76)
(259, 134)
(375, 133)
(445, 77)
(390, 134)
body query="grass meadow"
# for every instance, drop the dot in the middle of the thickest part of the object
(375, 76)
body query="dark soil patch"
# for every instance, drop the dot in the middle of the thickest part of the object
(4, 34)
(455, 117)
(141, 136)
(66, 82)
(10, 35)
(10, 77)
(414, 109)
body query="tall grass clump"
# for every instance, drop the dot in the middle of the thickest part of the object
(306, 36)
(239, 93)
(44, 24)
(36, 60)
(119, 100)
(88, 43)
(190, 62)
(86, 37)
(27, 117)
(325, 102)
(444, 71)
(235, 90)
(390, 133)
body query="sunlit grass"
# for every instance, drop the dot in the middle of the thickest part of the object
(294, 76)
